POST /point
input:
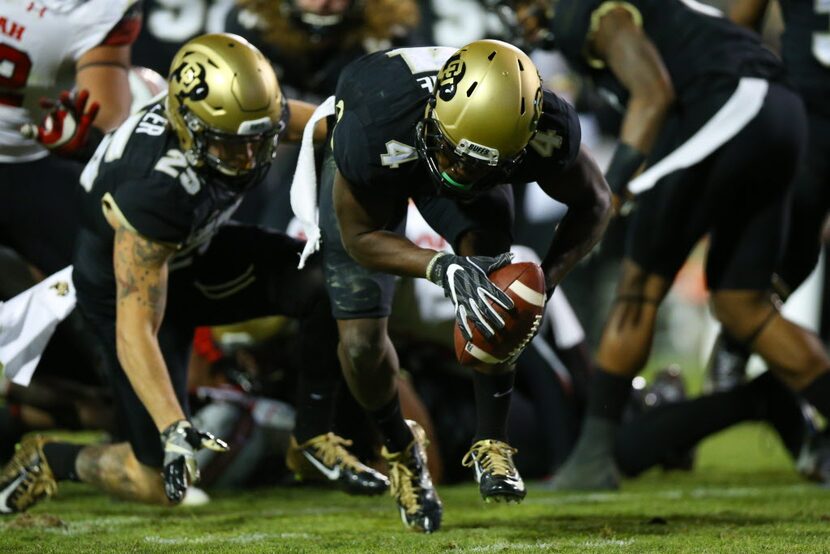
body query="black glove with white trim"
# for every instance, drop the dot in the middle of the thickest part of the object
(465, 282)
(181, 441)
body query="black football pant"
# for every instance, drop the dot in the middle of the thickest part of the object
(810, 205)
(245, 273)
(738, 195)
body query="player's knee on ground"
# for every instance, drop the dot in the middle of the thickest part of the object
(363, 342)
(743, 313)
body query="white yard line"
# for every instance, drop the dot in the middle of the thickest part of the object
(244, 538)
(669, 494)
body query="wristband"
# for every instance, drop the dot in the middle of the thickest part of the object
(624, 164)
(431, 265)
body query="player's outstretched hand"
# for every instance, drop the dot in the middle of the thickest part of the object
(65, 129)
(465, 282)
(181, 441)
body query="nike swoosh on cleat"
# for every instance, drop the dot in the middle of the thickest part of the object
(500, 394)
(332, 474)
(4, 496)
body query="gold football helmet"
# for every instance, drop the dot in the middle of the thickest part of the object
(487, 103)
(226, 106)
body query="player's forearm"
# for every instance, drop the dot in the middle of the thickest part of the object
(643, 120)
(390, 253)
(300, 114)
(141, 358)
(578, 232)
(103, 72)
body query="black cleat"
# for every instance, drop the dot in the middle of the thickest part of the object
(411, 484)
(667, 387)
(814, 459)
(27, 478)
(727, 365)
(325, 458)
(496, 474)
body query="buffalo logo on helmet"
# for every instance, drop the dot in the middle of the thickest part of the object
(191, 77)
(451, 74)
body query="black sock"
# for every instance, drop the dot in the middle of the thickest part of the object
(390, 421)
(11, 430)
(817, 393)
(781, 408)
(61, 457)
(492, 392)
(608, 395)
(646, 440)
(315, 408)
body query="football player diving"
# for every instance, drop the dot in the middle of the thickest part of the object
(450, 129)
(157, 256)
(719, 133)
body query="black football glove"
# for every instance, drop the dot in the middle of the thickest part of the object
(465, 282)
(181, 441)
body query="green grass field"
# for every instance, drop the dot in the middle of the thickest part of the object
(743, 496)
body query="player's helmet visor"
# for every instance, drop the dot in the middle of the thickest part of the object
(460, 171)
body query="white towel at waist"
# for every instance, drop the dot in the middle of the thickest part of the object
(304, 185)
(28, 320)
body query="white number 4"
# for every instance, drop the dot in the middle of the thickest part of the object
(398, 153)
(545, 142)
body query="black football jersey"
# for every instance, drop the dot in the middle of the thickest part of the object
(695, 42)
(805, 46)
(381, 98)
(141, 174)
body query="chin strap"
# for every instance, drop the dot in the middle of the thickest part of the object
(304, 185)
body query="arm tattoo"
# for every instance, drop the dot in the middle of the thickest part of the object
(140, 271)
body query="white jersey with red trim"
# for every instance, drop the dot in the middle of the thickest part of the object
(40, 41)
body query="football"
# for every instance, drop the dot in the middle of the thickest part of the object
(525, 284)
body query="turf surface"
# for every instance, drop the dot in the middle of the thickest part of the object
(743, 497)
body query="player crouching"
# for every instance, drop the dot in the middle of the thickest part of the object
(158, 257)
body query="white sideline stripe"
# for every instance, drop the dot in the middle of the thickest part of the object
(734, 115)
(527, 294)
(481, 355)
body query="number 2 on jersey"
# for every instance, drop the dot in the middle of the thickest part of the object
(15, 66)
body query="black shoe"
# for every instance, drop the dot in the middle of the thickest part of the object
(814, 460)
(411, 484)
(667, 387)
(325, 458)
(496, 474)
(726, 368)
(27, 478)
